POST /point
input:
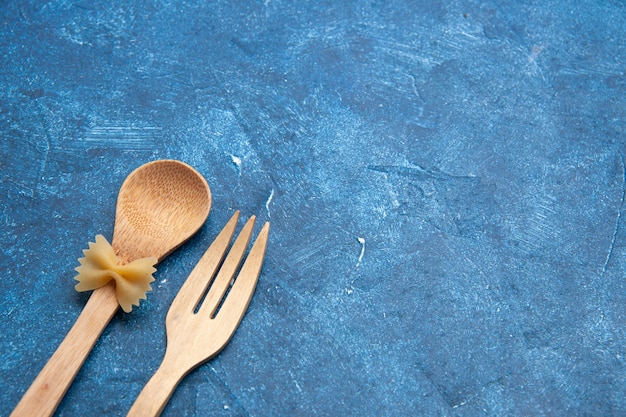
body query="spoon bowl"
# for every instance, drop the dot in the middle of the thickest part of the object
(160, 205)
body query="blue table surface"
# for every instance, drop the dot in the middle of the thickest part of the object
(445, 183)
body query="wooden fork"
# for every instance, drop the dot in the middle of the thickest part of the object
(199, 326)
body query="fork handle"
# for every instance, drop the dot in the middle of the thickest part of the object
(156, 393)
(47, 390)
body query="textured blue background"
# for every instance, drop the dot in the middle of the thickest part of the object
(445, 182)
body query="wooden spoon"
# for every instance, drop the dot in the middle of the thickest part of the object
(160, 205)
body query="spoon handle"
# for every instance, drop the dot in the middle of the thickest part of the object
(46, 392)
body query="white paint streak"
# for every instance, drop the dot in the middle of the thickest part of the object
(617, 220)
(295, 382)
(127, 137)
(267, 203)
(459, 404)
(362, 242)
(237, 161)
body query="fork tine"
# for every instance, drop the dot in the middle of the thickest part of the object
(200, 278)
(237, 300)
(227, 271)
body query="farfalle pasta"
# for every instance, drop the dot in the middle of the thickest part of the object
(100, 266)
